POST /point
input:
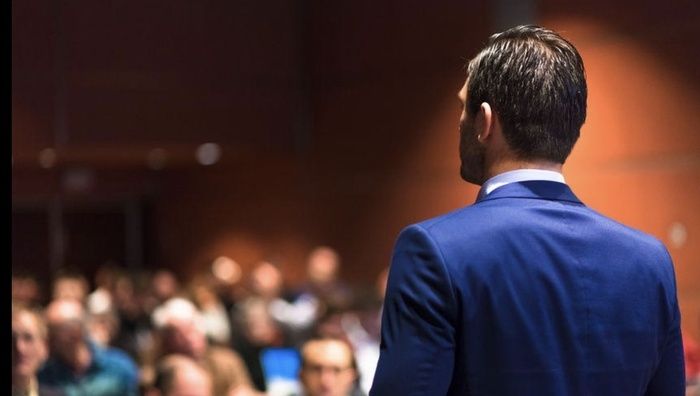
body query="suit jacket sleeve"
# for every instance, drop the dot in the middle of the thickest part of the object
(418, 321)
(669, 377)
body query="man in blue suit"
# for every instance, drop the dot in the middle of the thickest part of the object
(527, 291)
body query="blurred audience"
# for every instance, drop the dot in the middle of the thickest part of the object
(258, 331)
(76, 364)
(134, 331)
(266, 281)
(323, 278)
(216, 320)
(328, 368)
(181, 330)
(100, 300)
(227, 275)
(164, 285)
(141, 332)
(102, 326)
(321, 291)
(291, 318)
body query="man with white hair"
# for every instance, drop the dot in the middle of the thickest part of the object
(181, 331)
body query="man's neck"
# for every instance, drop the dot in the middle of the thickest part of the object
(507, 165)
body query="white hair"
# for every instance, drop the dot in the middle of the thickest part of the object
(177, 309)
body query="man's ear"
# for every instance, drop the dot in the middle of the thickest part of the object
(484, 122)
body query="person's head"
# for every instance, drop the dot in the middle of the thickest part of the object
(29, 348)
(70, 285)
(25, 290)
(266, 280)
(66, 320)
(164, 284)
(257, 325)
(327, 367)
(529, 84)
(180, 327)
(323, 265)
(178, 375)
(103, 327)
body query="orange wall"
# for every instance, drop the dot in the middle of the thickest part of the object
(638, 159)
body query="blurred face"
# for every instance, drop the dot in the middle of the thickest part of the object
(266, 280)
(65, 338)
(164, 285)
(323, 266)
(259, 326)
(327, 369)
(471, 153)
(183, 336)
(28, 345)
(69, 288)
(190, 382)
(25, 290)
(204, 296)
(66, 333)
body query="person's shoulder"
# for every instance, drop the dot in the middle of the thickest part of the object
(441, 232)
(446, 219)
(115, 360)
(45, 390)
(117, 355)
(462, 220)
(628, 233)
(50, 372)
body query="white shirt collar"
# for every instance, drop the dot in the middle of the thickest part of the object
(520, 175)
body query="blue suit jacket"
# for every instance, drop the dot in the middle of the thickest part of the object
(529, 292)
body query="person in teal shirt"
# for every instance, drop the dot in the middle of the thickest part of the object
(78, 366)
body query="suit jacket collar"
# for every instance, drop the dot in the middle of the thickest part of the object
(534, 189)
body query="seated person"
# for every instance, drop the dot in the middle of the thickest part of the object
(180, 330)
(179, 375)
(76, 364)
(328, 368)
(29, 350)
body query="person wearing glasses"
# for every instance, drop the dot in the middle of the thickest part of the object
(328, 368)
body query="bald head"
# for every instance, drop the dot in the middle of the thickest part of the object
(64, 311)
(178, 375)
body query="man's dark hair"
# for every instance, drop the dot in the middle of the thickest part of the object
(535, 81)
